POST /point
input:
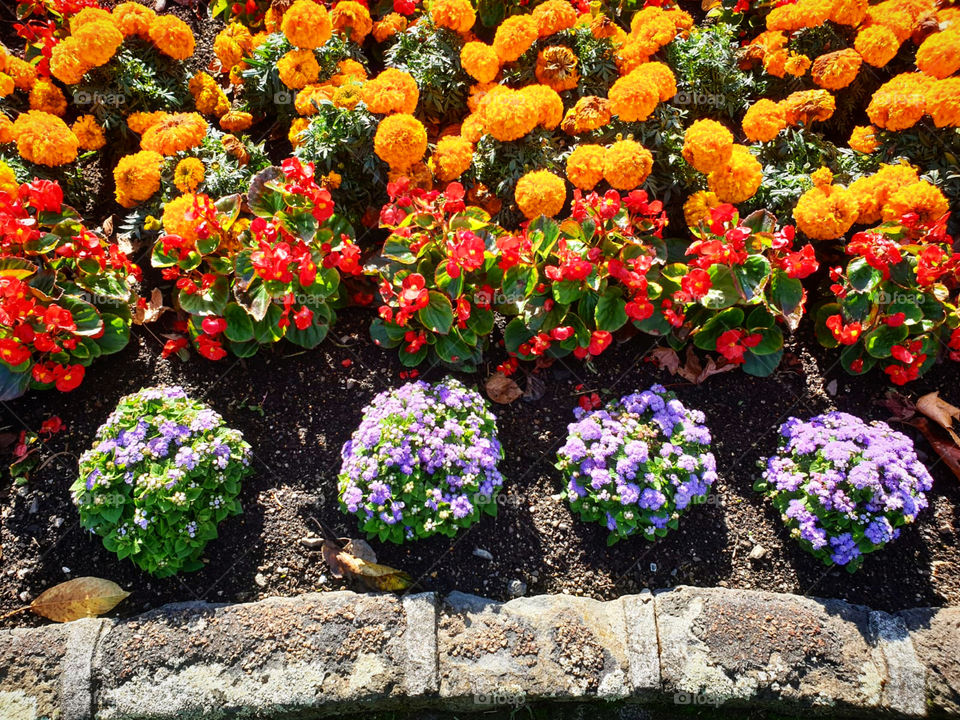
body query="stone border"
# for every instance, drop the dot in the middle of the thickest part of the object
(335, 653)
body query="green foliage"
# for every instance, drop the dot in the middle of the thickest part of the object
(225, 174)
(164, 473)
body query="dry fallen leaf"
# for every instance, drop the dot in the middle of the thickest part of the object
(376, 577)
(360, 549)
(667, 359)
(78, 598)
(153, 310)
(536, 388)
(940, 411)
(502, 389)
(948, 452)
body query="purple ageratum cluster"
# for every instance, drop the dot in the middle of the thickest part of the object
(423, 462)
(163, 472)
(844, 486)
(636, 465)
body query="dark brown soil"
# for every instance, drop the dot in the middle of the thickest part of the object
(297, 408)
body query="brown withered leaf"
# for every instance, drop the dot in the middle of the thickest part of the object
(940, 411)
(359, 548)
(536, 388)
(696, 372)
(78, 598)
(666, 358)
(375, 576)
(153, 310)
(502, 389)
(947, 450)
(900, 406)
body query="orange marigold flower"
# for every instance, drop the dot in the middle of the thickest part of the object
(662, 77)
(232, 44)
(585, 166)
(514, 37)
(826, 211)
(764, 120)
(557, 67)
(298, 68)
(510, 115)
(471, 128)
(6, 130)
(6, 85)
(349, 72)
(139, 122)
(392, 91)
(89, 15)
(172, 36)
(589, 113)
(797, 65)
(418, 174)
(836, 70)
(48, 98)
(650, 29)
(877, 45)
(602, 27)
(401, 141)
(66, 64)
(540, 193)
(799, 15)
(707, 145)
(310, 97)
(627, 164)
(809, 106)
(97, 42)
(863, 139)
(44, 139)
(89, 133)
(480, 61)
(899, 103)
(188, 174)
(307, 25)
(8, 180)
(236, 121)
(738, 179)
(24, 74)
(456, 15)
(698, 206)
(480, 95)
(179, 216)
(352, 20)
(943, 102)
(296, 130)
(848, 12)
(939, 54)
(872, 191)
(452, 158)
(548, 104)
(208, 97)
(896, 19)
(174, 133)
(682, 20)
(921, 199)
(552, 16)
(388, 26)
(634, 96)
(132, 18)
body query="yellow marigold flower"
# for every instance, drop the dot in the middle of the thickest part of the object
(66, 64)
(236, 121)
(352, 20)
(552, 16)
(349, 72)
(849, 12)
(172, 36)
(178, 216)
(896, 19)
(174, 133)
(452, 158)
(272, 19)
(939, 54)
(799, 15)
(826, 211)
(8, 180)
(589, 113)
(809, 106)
(480, 94)
(388, 26)
(510, 115)
(331, 181)
(877, 45)
(540, 193)
(682, 20)
(208, 96)
(307, 25)
(6, 130)
(775, 62)
(634, 96)
(401, 141)
(557, 67)
(232, 44)
(707, 145)
(6, 85)
(764, 120)
(298, 68)
(899, 103)
(97, 42)
(514, 37)
(943, 102)
(311, 96)
(920, 198)
(650, 29)
(661, 76)
(139, 122)
(188, 174)
(472, 128)
(132, 18)
(348, 96)
(872, 191)
(627, 164)
(585, 166)
(738, 179)
(89, 133)
(392, 91)
(863, 139)
(698, 206)
(480, 61)
(296, 129)
(797, 65)
(24, 74)
(548, 104)
(88, 15)
(48, 98)
(44, 139)
(457, 15)
(836, 70)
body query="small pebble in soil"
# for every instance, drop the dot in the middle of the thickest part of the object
(758, 552)
(481, 553)
(260, 580)
(313, 543)
(653, 567)
(516, 588)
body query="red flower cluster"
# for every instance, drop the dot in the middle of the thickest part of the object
(911, 359)
(732, 344)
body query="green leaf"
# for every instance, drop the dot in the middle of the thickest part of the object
(771, 342)
(12, 385)
(211, 301)
(786, 293)
(543, 233)
(116, 334)
(438, 315)
(480, 321)
(706, 337)
(85, 315)
(384, 335)
(567, 292)
(879, 342)
(16, 267)
(267, 331)
(824, 336)
(862, 277)
(315, 333)
(239, 324)
(723, 291)
(752, 275)
(610, 314)
(761, 365)
(515, 334)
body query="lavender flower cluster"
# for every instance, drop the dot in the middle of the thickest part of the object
(163, 473)
(423, 462)
(637, 464)
(843, 486)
